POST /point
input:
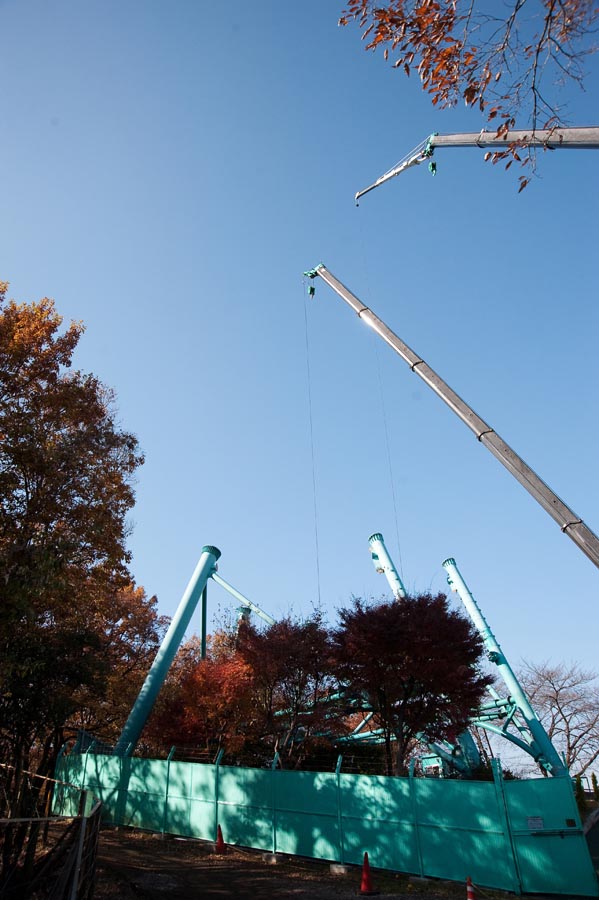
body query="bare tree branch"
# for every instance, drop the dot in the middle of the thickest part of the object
(509, 67)
(566, 699)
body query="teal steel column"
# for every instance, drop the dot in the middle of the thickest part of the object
(172, 640)
(273, 795)
(340, 810)
(204, 620)
(217, 762)
(384, 565)
(166, 788)
(543, 750)
(414, 808)
(243, 600)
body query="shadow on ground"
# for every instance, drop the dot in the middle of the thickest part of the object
(134, 865)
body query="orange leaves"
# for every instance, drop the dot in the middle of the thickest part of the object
(435, 37)
(207, 703)
(70, 487)
(29, 339)
(510, 153)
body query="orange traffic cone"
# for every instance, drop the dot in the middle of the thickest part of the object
(220, 846)
(366, 886)
(469, 889)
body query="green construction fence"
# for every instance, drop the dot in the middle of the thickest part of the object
(523, 836)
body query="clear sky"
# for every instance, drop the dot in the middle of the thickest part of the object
(169, 170)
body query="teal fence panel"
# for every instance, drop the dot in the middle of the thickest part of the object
(377, 817)
(306, 814)
(143, 804)
(461, 830)
(103, 777)
(245, 807)
(202, 800)
(515, 835)
(547, 834)
(65, 799)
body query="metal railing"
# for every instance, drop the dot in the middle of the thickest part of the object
(45, 856)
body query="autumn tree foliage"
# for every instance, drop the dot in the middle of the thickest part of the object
(257, 693)
(68, 612)
(129, 631)
(206, 705)
(298, 687)
(507, 60)
(293, 671)
(415, 664)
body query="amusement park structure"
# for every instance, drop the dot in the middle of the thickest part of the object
(508, 835)
(195, 592)
(511, 717)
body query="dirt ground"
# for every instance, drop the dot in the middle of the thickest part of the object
(138, 866)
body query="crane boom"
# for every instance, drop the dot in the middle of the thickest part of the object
(586, 138)
(569, 522)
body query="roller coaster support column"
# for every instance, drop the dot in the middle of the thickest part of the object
(384, 564)
(542, 749)
(168, 649)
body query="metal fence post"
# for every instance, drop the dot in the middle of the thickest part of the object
(339, 813)
(86, 800)
(87, 752)
(504, 815)
(273, 774)
(123, 790)
(168, 777)
(57, 792)
(219, 756)
(414, 805)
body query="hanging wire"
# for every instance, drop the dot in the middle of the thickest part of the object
(309, 379)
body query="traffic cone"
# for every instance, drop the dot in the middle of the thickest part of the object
(220, 846)
(469, 889)
(366, 886)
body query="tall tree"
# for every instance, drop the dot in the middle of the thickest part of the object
(499, 58)
(129, 630)
(66, 487)
(415, 664)
(293, 675)
(206, 708)
(566, 699)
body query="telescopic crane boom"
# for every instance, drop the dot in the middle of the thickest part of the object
(585, 539)
(568, 138)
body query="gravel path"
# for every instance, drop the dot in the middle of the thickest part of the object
(138, 866)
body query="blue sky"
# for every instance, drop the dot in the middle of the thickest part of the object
(169, 172)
